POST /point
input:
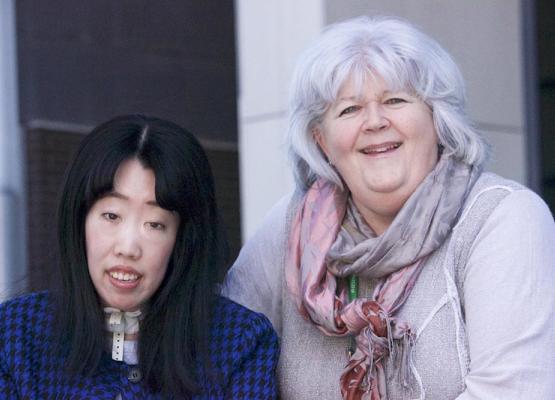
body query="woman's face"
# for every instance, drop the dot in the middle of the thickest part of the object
(382, 143)
(129, 239)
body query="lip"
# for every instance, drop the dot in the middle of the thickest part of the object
(123, 270)
(380, 149)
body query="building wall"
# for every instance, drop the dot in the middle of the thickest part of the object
(84, 62)
(270, 35)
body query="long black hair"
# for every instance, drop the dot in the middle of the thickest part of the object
(173, 336)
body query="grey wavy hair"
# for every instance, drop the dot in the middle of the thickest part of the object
(402, 55)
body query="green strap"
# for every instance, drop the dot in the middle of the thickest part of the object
(353, 294)
(353, 287)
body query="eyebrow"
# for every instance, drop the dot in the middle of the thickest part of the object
(118, 195)
(384, 93)
(348, 98)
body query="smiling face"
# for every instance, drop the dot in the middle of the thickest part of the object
(382, 143)
(129, 239)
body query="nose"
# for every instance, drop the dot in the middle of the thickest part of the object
(128, 242)
(376, 119)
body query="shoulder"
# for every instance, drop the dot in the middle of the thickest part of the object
(28, 312)
(255, 279)
(25, 331)
(494, 196)
(31, 300)
(239, 334)
(269, 237)
(243, 352)
(276, 219)
(238, 323)
(505, 223)
(522, 218)
(491, 185)
(501, 218)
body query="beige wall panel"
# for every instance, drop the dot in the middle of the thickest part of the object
(265, 173)
(508, 154)
(270, 35)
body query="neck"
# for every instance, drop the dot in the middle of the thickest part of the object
(128, 336)
(379, 217)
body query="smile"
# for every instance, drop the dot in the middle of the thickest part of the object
(125, 277)
(381, 148)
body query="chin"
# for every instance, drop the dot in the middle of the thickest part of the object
(384, 187)
(382, 183)
(123, 305)
(130, 307)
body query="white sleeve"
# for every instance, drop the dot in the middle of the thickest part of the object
(509, 291)
(255, 280)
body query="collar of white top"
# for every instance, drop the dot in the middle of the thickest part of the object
(121, 323)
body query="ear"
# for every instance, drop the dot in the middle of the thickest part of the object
(319, 137)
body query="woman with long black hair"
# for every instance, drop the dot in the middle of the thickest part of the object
(137, 315)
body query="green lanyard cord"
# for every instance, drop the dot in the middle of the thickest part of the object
(353, 294)
(353, 287)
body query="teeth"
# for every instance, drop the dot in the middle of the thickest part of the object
(120, 276)
(381, 149)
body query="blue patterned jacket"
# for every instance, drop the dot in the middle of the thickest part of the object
(243, 349)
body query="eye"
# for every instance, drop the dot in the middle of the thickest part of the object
(394, 101)
(157, 226)
(110, 216)
(349, 110)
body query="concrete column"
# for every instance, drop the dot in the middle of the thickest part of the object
(270, 35)
(12, 204)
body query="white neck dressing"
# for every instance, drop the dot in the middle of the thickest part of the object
(122, 323)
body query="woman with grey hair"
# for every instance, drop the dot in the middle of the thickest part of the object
(399, 269)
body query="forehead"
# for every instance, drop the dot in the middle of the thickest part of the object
(132, 181)
(357, 86)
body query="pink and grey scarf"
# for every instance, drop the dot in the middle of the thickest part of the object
(330, 241)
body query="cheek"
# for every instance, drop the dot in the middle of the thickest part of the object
(90, 241)
(339, 149)
(429, 145)
(426, 156)
(97, 246)
(169, 250)
(163, 254)
(337, 138)
(94, 254)
(422, 135)
(427, 128)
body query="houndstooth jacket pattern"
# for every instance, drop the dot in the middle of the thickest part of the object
(244, 351)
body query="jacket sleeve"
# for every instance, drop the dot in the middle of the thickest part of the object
(509, 296)
(255, 376)
(7, 386)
